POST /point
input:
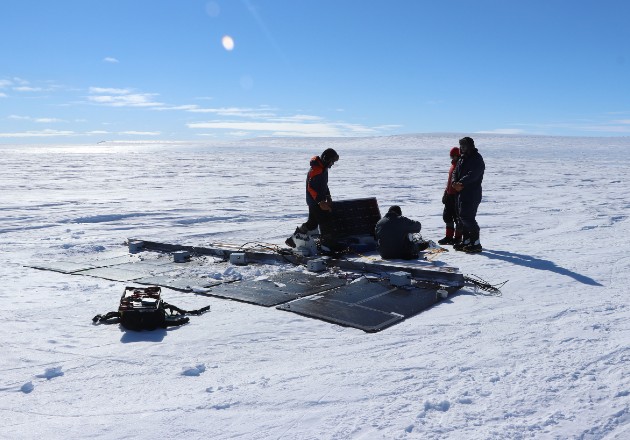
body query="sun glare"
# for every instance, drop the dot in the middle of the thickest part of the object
(228, 42)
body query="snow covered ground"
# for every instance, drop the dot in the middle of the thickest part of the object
(549, 359)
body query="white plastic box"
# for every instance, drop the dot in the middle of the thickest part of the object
(316, 265)
(238, 258)
(400, 279)
(181, 256)
(135, 246)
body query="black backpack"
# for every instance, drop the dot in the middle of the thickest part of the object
(144, 309)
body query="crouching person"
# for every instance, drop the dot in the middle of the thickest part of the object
(393, 233)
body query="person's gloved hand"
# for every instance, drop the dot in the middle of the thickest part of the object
(325, 205)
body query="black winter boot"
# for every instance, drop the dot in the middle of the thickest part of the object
(448, 238)
(289, 241)
(461, 245)
(473, 248)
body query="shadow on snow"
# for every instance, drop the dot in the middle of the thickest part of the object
(537, 263)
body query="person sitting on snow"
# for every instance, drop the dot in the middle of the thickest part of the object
(393, 233)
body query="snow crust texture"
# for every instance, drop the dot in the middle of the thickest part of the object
(548, 359)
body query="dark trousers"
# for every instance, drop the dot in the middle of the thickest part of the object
(450, 216)
(409, 251)
(315, 216)
(467, 211)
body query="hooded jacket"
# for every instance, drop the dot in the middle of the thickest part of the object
(469, 172)
(449, 189)
(392, 234)
(317, 182)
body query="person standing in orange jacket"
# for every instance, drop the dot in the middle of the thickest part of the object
(318, 196)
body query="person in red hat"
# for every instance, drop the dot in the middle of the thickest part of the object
(449, 199)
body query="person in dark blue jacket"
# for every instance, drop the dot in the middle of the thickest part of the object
(392, 236)
(467, 179)
(318, 197)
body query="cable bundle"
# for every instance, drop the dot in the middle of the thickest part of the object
(481, 284)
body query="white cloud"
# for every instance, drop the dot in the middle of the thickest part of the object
(187, 107)
(39, 133)
(5, 83)
(298, 118)
(121, 98)
(621, 121)
(27, 89)
(387, 127)
(502, 131)
(3, 95)
(235, 111)
(39, 120)
(141, 133)
(48, 120)
(109, 90)
(67, 133)
(288, 128)
(110, 60)
(622, 128)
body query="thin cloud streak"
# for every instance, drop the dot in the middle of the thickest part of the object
(27, 89)
(141, 133)
(262, 112)
(121, 98)
(288, 128)
(38, 120)
(41, 133)
(109, 90)
(69, 133)
(502, 131)
(48, 120)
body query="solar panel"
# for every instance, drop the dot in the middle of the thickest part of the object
(351, 224)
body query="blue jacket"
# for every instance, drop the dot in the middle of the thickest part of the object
(469, 172)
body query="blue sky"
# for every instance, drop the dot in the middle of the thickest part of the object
(82, 71)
